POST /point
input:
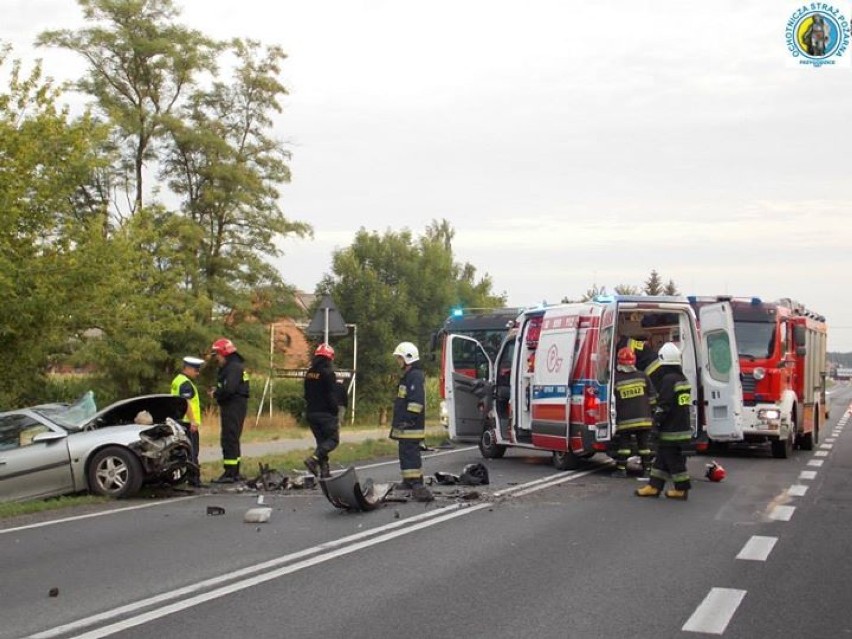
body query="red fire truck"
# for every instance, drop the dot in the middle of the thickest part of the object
(782, 364)
(549, 386)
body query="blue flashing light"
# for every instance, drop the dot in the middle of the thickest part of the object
(755, 301)
(692, 299)
(457, 312)
(604, 299)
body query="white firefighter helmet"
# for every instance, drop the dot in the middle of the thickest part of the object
(669, 354)
(407, 351)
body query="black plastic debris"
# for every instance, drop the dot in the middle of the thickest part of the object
(344, 491)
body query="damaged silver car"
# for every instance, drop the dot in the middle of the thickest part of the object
(59, 449)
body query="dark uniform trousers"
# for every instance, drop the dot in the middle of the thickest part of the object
(326, 431)
(233, 414)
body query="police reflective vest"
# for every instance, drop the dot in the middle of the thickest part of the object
(179, 389)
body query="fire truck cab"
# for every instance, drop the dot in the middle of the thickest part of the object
(550, 385)
(782, 360)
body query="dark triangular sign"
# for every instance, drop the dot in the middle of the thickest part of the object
(336, 323)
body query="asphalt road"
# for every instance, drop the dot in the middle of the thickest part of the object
(540, 553)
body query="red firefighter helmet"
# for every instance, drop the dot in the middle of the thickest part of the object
(324, 350)
(626, 356)
(715, 472)
(223, 347)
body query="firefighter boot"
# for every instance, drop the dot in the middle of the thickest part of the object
(647, 491)
(237, 475)
(681, 495)
(226, 477)
(313, 465)
(325, 471)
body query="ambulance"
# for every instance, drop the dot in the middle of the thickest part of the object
(549, 387)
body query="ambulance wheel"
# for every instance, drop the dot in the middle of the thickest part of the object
(489, 448)
(565, 460)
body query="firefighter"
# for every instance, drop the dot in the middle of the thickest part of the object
(183, 385)
(674, 397)
(408, 424)
(634, 401)
(231, 393)
(321, 409)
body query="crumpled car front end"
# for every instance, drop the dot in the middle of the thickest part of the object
(165, 452)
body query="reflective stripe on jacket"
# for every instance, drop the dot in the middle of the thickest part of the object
(409, 407)
(673, 401)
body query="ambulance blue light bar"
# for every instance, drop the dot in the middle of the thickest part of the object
(457, 312)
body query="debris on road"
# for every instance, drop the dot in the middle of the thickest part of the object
(257, 515)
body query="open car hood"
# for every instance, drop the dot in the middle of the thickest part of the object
(124, 412)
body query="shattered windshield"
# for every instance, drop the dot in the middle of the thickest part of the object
(72, 416)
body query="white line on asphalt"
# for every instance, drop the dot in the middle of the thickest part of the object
(440, 454)
(826, 446)
(90, 515)
(329, 550)
(821, 453)
(808, 474)
(714, 613)
(782, 513)
(797, 490)
(830, 440)
(757, 548)
(815, 462)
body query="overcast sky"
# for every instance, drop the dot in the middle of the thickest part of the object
(568, 143)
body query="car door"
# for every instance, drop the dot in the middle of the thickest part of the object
(720, 374)
(467, 389)
(34, 459)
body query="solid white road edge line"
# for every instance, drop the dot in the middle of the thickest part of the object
(714, 613)
(757, 548)
(332, 549)
(65, 520)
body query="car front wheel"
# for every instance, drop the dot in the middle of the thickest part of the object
(115, 472)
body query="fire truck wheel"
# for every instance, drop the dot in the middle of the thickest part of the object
(564, 460)
(489, 448)
(782, 448)
(808, 440)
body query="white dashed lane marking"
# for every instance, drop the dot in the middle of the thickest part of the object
(815, 462)
(808, 474)
(782, 513)
(826, 446)
(821, 453)
(715, 612)
(797, 490)
(757, 548)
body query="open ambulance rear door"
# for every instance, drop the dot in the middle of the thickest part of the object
(720, 374)
(467, 387)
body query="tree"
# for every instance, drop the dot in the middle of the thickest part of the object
(653, 285)
(45, 159)
(227, 168)
(627, 289)
(399, 288)
(140, 64)
(670, 288)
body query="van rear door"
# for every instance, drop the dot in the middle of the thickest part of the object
(720, 374)
(467, 387)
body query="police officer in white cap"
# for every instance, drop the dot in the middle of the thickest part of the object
(183, 385)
